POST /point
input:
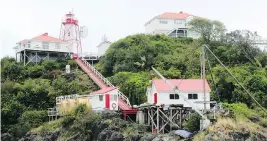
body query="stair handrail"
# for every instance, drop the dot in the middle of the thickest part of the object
(105, 80)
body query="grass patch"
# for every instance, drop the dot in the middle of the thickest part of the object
(226, 125)
(49, 126)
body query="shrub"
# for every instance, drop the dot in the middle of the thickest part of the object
(33, 118)
(263, 123)
(67, 120)
(193, 123)
(239, 109)
(81, 109)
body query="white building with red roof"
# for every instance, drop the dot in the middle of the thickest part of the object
(171, 24)
(106, 98)
(192, 89)
(40, 48)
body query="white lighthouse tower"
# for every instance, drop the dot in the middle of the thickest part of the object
(71, 32)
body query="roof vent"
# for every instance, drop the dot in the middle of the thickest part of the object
(181, 11)
(45, 34)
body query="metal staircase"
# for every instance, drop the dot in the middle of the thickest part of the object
(102, 82)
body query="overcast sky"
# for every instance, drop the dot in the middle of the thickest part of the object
(25, 19)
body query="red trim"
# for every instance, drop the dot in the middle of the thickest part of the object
(75, 56)
(155, 98)
(107, 101)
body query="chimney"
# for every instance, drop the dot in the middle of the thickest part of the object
(45, 34)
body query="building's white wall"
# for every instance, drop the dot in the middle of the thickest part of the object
(150, 96)
(103, 48)
(150, 27)
(164, 98)
(113, 92)
(101, 105)
(155, 27)
(70, 36)
(37, 45)
(96, 103)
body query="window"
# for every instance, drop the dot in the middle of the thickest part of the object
(192, 96)
(100, 97)
(113, 97)
(179, 21)
(174, 96)
(45, 45)
(57, 46)
(163, 22)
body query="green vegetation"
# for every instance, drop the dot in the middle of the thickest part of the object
(192, 124)
(27, 92)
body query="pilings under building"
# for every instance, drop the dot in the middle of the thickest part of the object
(162, 118)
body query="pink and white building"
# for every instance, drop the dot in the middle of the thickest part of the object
(106, 98)
(192, 89)
(171, 24)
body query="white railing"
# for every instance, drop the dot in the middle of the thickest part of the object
(106, 81)
(65, 97)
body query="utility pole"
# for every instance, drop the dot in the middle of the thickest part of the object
(204, 76)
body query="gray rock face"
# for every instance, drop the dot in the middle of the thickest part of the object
(29, 137)
(110, 135)
(258, 137)
(7, 137)
(236, 136)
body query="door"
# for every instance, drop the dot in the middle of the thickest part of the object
(107, 98)
(155, 98)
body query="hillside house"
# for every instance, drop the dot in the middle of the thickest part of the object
(106, 98)
(171, 24)
(192, 89)
(42, 47)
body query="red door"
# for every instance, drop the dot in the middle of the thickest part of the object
(155, 98)
(107, 101)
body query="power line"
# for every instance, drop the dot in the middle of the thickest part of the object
(235, 79)
(212, 78)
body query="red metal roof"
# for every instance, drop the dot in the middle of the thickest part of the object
(45, 37)
(169, 15)
(184, 85)
(104, 90)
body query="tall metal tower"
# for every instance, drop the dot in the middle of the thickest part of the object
(71, 32)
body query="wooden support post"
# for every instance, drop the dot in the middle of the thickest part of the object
(36, 57)
(24, 59)
(181, 118)
(171, 119)
(157, 119)
(148, 118)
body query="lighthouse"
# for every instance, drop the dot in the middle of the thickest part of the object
(70, 32)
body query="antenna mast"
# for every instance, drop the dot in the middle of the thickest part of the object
(204, 76)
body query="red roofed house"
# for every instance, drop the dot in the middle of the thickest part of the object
(171, 24)
(106, 98)
(40, 48)
(192, 89)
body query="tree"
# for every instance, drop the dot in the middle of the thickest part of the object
(133, 85)
(208, 29)
(10, 112)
